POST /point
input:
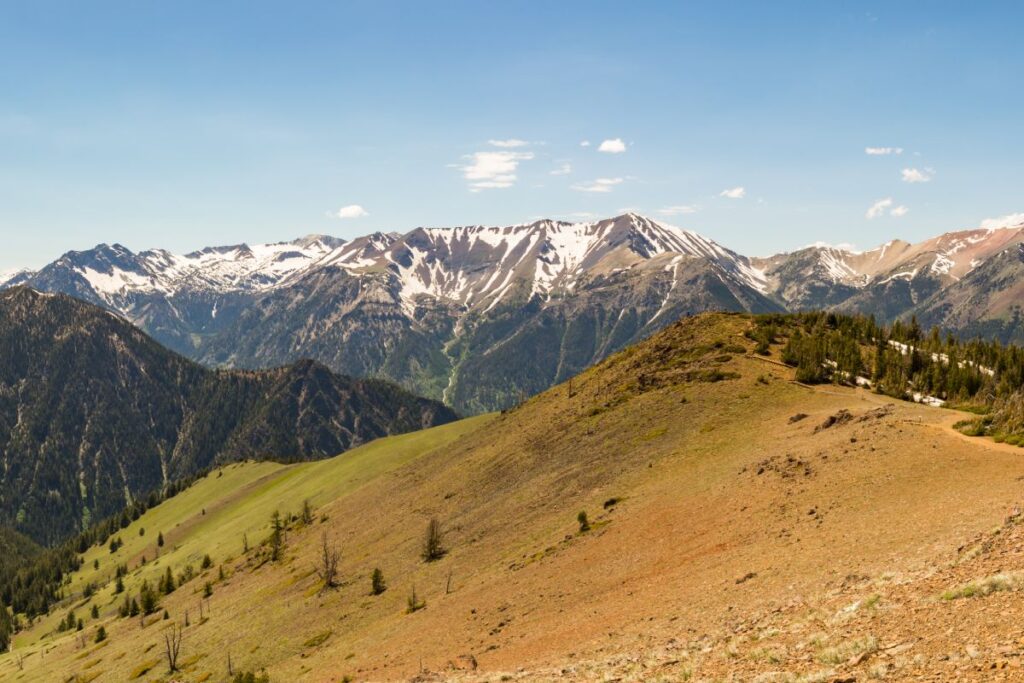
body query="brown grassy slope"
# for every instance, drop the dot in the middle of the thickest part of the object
(728, 512)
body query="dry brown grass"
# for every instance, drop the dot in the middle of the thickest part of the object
(725, 510)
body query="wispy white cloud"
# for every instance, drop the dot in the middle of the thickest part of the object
(734, 193)
(599, 185)
(678, 210)
(508, 144)
(1013, 220)
(350, 211)
(878, 208)
(882, 151)
(914, 175)
(585, 143)
(884, 206)
(613, 146)
(842, 246)
(563, 169)
(493, 170)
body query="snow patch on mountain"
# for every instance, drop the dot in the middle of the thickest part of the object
(15, 276)
(479, 265)
(942, 264)
(113, 271)
(833, 260)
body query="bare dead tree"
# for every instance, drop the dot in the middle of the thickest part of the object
(172, 646)
(413, 602)
(328, 567)
(231, 669)
(276, 536)
(307, 512)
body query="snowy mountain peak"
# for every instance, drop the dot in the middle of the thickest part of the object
(471, 266)
(479, 266)
(11, 278)
(314, 239)
(109, 272)
(823, 275)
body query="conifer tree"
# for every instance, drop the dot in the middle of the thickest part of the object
(377, 583)
(148, 600)
(433, 543)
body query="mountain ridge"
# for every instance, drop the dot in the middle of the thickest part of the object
(93, 413)
(480, 315)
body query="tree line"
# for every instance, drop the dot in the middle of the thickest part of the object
(31, 585)
(898, 360)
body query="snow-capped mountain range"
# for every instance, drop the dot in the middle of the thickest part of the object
(476, 315)
(952, 255)
(114, 271)
(473, 266)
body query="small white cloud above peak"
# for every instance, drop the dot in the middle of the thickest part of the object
(350, 211)
(842, 246)
(563, 169)
(882, 151)
(878, 208)
(508, 144)
(613, 146)
(678, 210)
(885, 206)
(1013, 220)
(734, 193)
(585, 143)
(493, 170)
(600, 185)
(914, 175)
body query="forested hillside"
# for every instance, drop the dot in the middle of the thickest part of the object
(906, 362)
(94, 414)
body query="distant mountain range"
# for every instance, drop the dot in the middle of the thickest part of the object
(93, 413)
(933, 280)
(478, 316)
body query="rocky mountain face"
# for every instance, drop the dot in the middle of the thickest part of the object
(960, 281)
(93, 413)
(178, 299)
(986, 302)
(479, 316)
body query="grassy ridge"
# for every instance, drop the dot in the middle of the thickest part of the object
(707, 502)
(212, 516)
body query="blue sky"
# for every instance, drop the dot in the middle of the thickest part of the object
(194, 123)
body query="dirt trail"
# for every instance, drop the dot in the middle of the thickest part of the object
(940, 419)
(983, 441)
